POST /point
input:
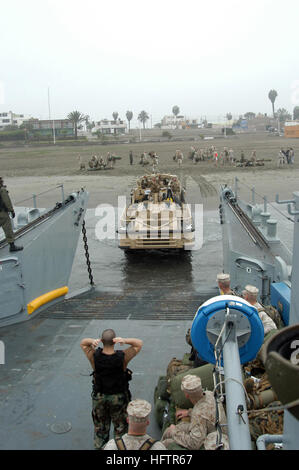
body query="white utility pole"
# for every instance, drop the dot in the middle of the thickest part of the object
(53, 125)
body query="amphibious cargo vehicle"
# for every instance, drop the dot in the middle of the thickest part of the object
(157, 217)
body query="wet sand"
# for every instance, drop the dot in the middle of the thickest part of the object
(199, 188)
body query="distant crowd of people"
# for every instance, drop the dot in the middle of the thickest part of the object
(99, 162)
(223, 157)
(227, 156)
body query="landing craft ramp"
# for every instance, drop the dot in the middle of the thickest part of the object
(45, 384)
(36, 276)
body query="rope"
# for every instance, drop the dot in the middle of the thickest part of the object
(234, 380)
(292, 404)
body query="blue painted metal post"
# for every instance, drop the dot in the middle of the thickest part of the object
(238, 427)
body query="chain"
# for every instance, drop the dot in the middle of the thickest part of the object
(87, 254)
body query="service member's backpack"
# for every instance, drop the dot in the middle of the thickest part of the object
(145, 446)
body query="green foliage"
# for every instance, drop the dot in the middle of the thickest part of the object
(76, 117)
(129, 116)
(166, 134)
(249, 115)
(296, 113)
(12, 135)
(228, 131)
(175, 110)
(283, 115)
(272, 95)
(143, 117)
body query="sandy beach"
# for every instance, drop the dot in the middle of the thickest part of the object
(34, 170)
(106, 189)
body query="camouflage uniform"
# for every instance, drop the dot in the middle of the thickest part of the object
(110, 407)
(134, 443)
(5, 208)
(107, 408)
(266, 320)
(191, 435)
(211, 441)
(174, 186)
(138, 412)
(202, 421)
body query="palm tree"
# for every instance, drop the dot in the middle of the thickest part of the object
(272, 97)
(283, 115)
(143, 117)
(129, 116)
(175, 110)
(76, 117)
(115, 115)
(229, 116)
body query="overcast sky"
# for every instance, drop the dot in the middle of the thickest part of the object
(207, 57)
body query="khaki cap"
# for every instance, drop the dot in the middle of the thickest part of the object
(211, 439)
(251, 289)
(191, 384)
(223, 277)
(138, 410)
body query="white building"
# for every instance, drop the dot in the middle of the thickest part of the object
(178, 122)
(110, 127)
(11, 119)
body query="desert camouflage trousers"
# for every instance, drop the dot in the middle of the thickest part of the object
(107, 408)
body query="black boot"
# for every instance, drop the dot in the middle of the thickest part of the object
(13, 247)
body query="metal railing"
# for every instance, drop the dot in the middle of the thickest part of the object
(264, 199)
(35, 196)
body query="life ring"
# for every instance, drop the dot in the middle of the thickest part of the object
(217, 305)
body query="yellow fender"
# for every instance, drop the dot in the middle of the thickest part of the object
(45, 298)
